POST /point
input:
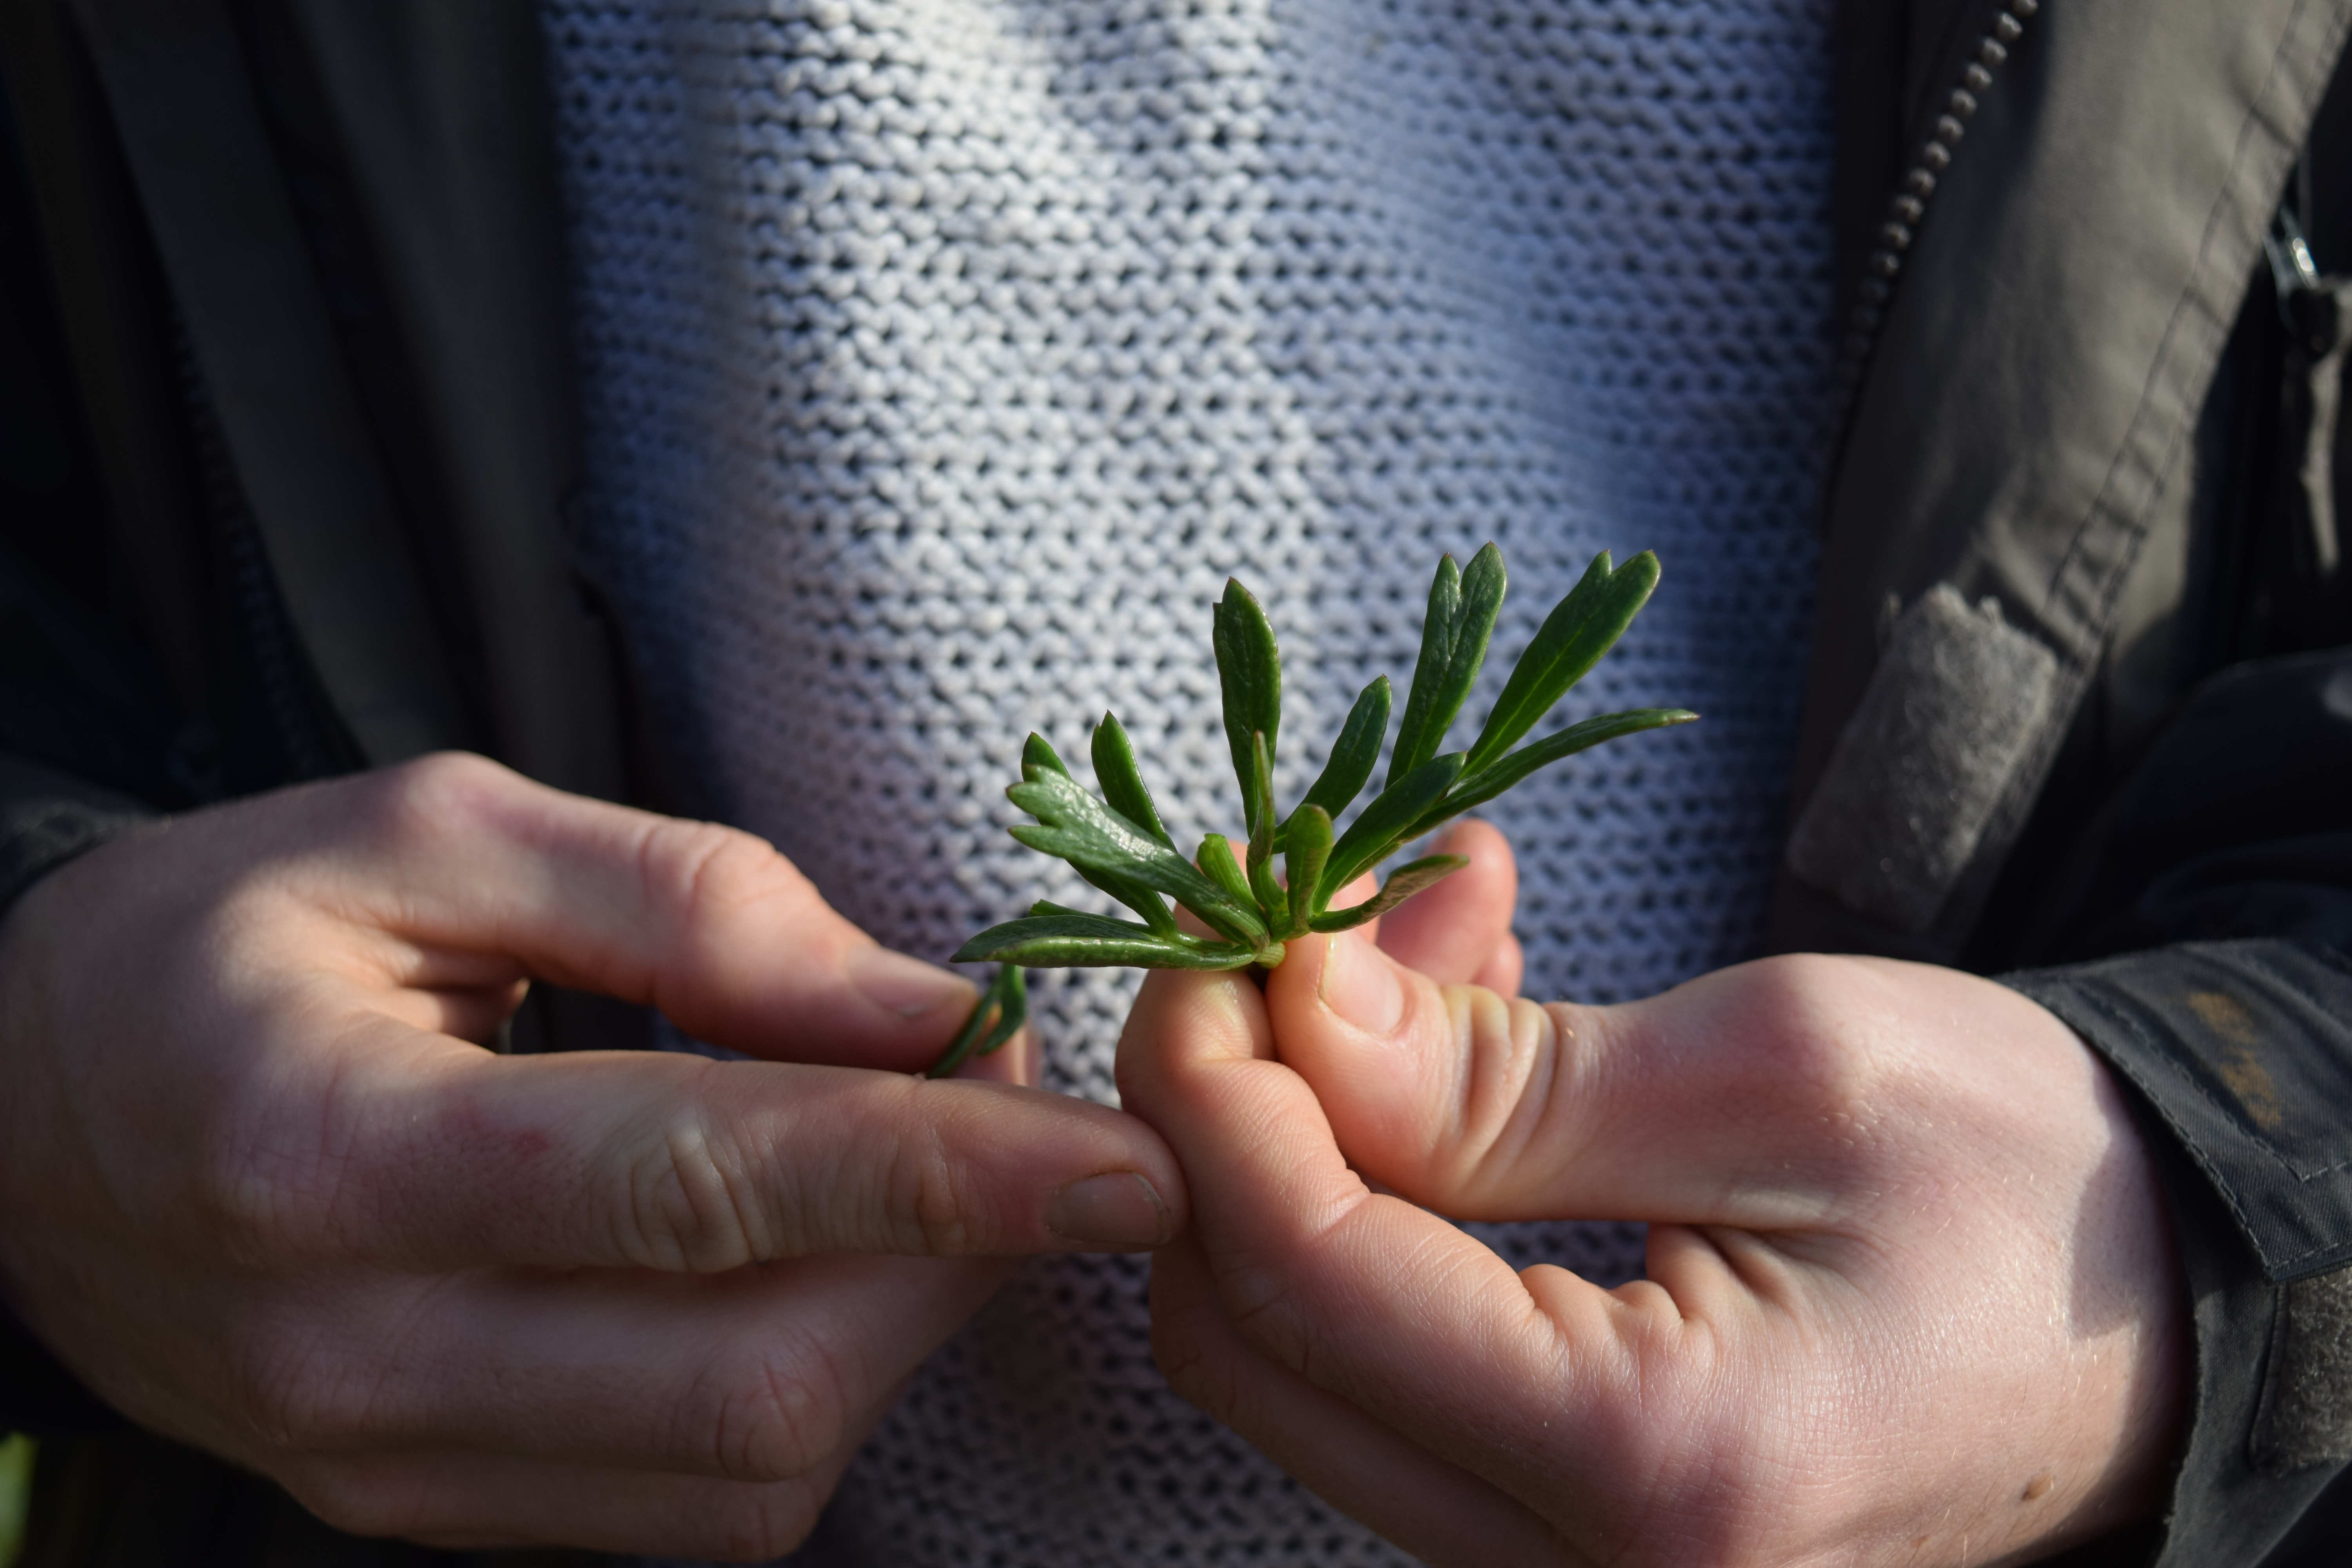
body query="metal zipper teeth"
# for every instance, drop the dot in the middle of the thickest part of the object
(1908, 204)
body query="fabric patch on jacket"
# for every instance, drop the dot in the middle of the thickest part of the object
(2306, 1417)
(1958, 700)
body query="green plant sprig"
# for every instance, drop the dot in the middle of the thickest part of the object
(1118, 842)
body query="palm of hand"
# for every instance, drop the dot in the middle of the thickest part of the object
(1910, 1295)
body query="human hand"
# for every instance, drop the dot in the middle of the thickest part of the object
(265, 1195)
(1910, 1294)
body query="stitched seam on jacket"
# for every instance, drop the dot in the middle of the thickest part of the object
(2225, 201)
(2081, 992)
(2255, 961)
(2221, 1182)
(2339, 962)
(2236, 1118)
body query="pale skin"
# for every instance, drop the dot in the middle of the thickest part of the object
(267, 1192)
(1910, 1295)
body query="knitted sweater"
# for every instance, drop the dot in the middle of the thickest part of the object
(944, 357)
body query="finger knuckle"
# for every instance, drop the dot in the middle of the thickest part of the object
(1270, 1316)
(1501, 1107)
(929, 1200)
(1814, 1047)
(707, 870)
(710, 883)
(420, 800)
(770, 1417)
(687, 1205)
(263, 1185)
(237, 1200)
(298, 1394)
(1201, 1378)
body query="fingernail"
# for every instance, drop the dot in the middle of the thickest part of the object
(1361, 986)
(1118, 1210)
(907, 986)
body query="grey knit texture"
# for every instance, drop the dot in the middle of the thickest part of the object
(945, 355)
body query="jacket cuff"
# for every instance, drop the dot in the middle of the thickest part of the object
(47, 818)
(2240, 1055)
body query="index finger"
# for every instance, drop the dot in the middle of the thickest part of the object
(432, 1153)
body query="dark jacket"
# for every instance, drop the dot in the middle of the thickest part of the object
(291, 453)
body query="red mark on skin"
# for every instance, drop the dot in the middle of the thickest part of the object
(469, 1121)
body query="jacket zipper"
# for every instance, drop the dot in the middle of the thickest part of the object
(1916, 189)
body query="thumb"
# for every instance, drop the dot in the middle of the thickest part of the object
(1460, 929)
(1679, 1109)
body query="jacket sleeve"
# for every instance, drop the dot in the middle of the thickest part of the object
(2214, 907)
(47, 818)
(2240, 1055)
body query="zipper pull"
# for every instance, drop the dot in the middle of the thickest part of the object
(2293, 270)
(2316, 311)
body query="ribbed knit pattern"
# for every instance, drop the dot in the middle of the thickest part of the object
(945, 355)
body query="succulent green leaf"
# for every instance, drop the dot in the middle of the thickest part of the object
(1249, 673)
(1096, 840)
(1073, 825)
(1580, 629)
(1385, 825)
(1011, 991)
(1429, 669)
(1495, 777)
(1310, 848)
(1265, 888)
(1355, 752)
(1273, 901)
(1216, 859)
(1044, 907)
(996, 1019)
(1404, 882)
(1137, 896)
(1032, 943)
(1040, 762)
(1121, 781)
(1450, 656)
(1036, 754)
(1001, 944)
(1060, 923)
(1261, 826)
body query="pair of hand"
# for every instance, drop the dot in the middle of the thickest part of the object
(1909, 1298)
